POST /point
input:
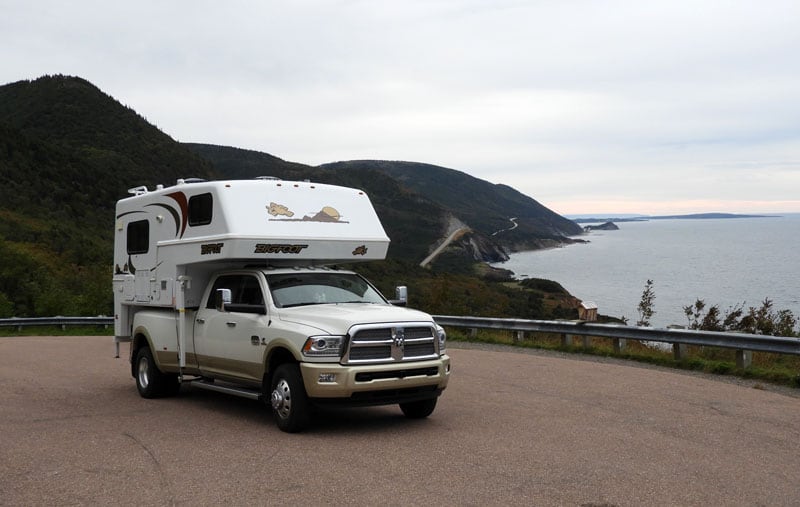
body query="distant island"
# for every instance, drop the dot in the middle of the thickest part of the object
(607, 226)
(645, 218)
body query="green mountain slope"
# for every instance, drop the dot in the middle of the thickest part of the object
(68, 152)
(416, 201)
(485, 207)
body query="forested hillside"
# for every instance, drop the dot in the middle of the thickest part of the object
(484, 206)
(68, 152)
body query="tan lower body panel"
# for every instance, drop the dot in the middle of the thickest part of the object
(344, 384)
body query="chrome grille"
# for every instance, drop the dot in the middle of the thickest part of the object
(391, 342)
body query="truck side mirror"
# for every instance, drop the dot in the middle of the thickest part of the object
(401, 296)
(223, 297)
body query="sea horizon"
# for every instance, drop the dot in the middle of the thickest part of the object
(724, 262)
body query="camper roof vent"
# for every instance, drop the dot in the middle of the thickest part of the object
(190, 180)
(268, 178)
(138, 190)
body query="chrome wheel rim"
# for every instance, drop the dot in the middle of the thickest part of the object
(281, 399)
(143, 372)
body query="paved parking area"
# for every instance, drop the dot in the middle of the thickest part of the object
(511, 429)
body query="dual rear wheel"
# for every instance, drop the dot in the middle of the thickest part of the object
(150, 381)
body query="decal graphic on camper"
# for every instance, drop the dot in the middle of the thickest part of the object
(362, 250)
(180, 198)
(267, 248)
(279, 210)
(327, 214)
(211, 248)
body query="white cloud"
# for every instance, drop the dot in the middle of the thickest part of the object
(573, 102)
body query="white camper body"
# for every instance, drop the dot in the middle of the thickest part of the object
(169, 241)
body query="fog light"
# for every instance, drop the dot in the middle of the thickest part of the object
(327, 378)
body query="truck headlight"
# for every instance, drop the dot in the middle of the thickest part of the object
(323, 346)
(442, 336)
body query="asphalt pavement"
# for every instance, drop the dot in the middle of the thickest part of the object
(511, 429)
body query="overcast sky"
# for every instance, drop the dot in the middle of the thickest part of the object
(587, 106)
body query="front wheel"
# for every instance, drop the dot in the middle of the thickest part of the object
(288, 399)
(418, 409)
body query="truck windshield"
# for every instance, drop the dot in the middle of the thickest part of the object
(297, 289)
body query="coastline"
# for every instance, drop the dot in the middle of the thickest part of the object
(725, 263)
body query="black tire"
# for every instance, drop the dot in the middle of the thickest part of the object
(150, 381)
(418, 409)
(288, 399)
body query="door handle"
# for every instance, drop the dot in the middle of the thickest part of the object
(201, 321)
(231, 323)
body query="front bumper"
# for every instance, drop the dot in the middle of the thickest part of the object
(332, 381)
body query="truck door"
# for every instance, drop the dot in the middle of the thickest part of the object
(230, 343)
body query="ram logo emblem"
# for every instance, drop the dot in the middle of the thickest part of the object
(399, 337)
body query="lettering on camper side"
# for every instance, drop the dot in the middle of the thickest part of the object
(268, 248)
(211, 248)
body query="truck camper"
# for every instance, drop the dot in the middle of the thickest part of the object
(232, 286)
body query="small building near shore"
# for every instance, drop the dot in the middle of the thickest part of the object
(587, 311)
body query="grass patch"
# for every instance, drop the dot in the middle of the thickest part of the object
(779, 369)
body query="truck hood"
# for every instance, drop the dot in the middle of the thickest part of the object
(337, 319)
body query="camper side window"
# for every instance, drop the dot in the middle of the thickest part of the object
(201, 208)
(138, 237)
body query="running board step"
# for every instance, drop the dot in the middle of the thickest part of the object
(243, 392)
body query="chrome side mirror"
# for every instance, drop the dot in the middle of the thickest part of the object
(401, 296)
(223, 298)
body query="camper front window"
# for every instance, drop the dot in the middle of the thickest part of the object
(201, 209)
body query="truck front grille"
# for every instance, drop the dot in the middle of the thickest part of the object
(387, 343)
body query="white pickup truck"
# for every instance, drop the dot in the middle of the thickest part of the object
(226, 286)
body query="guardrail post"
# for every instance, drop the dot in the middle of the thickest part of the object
(520, 336)
(744, 358)
(566, 340)
(679, 351)
(619, 345)
(473, 332)
(587, 341)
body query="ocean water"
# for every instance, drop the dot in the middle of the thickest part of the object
(725, 262)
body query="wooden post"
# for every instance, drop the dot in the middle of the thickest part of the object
(473, 332)
(679, 351)
(619, 345)
(566, 340)
(587, 341)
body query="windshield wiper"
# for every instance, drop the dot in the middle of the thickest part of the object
(309, 303)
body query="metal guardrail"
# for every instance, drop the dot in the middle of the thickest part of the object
(20, 322)
(743, 343)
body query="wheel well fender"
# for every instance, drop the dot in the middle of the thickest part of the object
(140, 340)
(276, 357)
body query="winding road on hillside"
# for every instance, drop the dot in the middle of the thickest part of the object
(513, 428)
(514, 225)
(456, 234)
